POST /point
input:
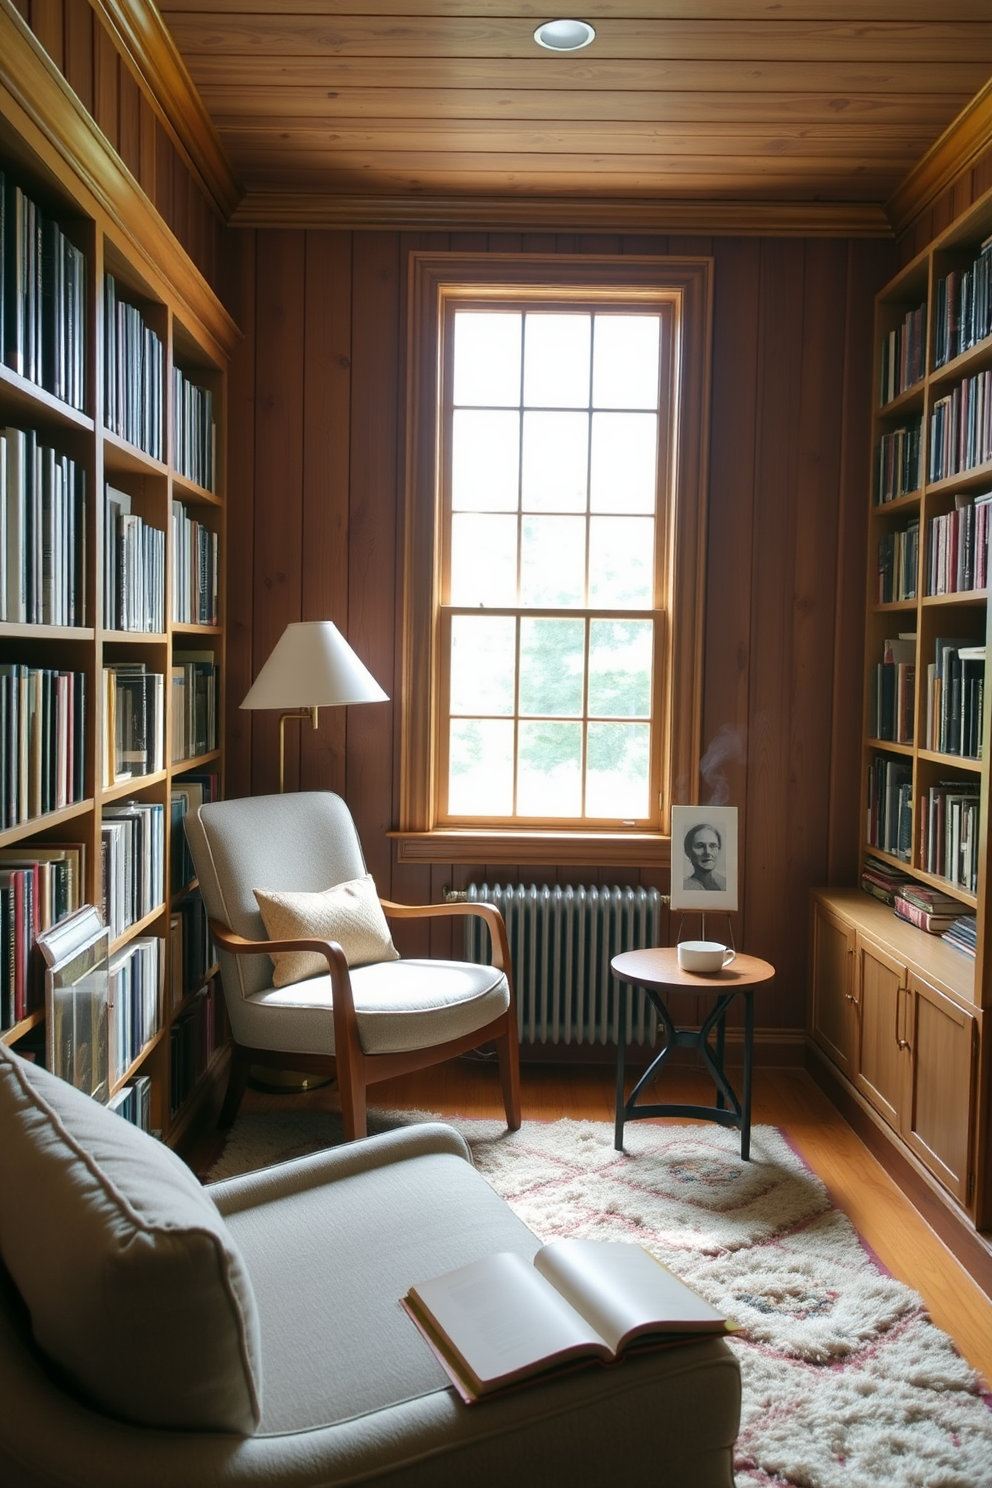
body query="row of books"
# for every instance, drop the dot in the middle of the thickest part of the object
(193, 953)
(955, 698)
(134, 717)
(195, 454)
(192, 1042)
(42, 532)
(898, 563)
(132, 863)
(893, 698)
(39, 885)
(957, 556)
(194, 704)
(949, 832)
(188, 794)
(135, 1001)
(195, 570)
(903, 355)
(963, 935)
(961, 427)
(134, 1102)
(42, 298)
(963, 308)
(133, 568)
(133, 374)
(889, 826)
(883, 881)
(899, 468)
(42, 733)
(928, 909)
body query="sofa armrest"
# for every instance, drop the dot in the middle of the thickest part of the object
(301, 1173)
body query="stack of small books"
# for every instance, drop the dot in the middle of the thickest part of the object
(963, 934)
(927, 908)
(882, 880)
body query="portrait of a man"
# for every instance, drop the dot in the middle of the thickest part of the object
(704, 857)
(704, 848)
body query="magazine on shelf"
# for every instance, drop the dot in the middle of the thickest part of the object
(76, 955)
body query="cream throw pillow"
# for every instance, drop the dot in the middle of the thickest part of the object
(349, 913)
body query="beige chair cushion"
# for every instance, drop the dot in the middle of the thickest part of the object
(133, 1282)
(349, 913)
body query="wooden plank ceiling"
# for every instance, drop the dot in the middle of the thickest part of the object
(737, 101)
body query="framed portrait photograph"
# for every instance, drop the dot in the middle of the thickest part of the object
(704, 857)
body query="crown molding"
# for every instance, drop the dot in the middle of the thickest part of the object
(957, 148)
(44, 110)
(563, 214)
(142, 38)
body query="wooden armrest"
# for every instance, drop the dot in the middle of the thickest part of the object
(487, 912)
(337, 962)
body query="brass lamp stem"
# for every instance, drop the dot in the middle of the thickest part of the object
(310, 713)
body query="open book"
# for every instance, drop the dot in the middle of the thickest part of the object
(504, 1319)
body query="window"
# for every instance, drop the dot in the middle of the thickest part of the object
(554, 548)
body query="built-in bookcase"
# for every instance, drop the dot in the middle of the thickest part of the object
(113, 402)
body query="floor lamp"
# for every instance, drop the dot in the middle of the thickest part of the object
(311, 667)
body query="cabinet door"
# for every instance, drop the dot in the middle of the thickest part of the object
(938, 1120)
(882, 1069)
(833, 1014)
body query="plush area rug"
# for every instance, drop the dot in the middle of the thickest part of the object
(847, 1383)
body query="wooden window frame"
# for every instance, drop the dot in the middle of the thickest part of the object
(434, 278)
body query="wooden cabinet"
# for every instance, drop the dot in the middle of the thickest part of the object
(132, 401)
(884, 1013)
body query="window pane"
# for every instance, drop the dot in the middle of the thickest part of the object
(625, 361)
(551, 666)
(487, 359)
(480, 767)
(555, 462)
(617, 776)
(483, 560)
(620, 668)
(482, 663)
(556, 361)
(549, 769)
(621, 562)
(553, 561)
(623, 475)
(485, 461)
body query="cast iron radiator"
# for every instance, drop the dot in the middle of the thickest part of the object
(561, 943)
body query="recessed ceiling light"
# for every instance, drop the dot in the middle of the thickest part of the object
(564, 36)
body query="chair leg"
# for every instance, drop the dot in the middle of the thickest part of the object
(236, 1083)
(352, 1090)
(508, 1054)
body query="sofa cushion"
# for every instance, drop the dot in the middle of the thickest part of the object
(349, 913)
(134, 1285)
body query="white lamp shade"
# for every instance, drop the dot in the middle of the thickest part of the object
(313, 666)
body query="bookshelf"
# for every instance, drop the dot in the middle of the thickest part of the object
(113, 375)
(897, 1013)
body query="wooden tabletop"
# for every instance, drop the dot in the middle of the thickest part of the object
(659, 967)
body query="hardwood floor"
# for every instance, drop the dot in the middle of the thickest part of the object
(787, 1098)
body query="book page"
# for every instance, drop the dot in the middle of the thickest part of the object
(503, 1320)
(623, 1292)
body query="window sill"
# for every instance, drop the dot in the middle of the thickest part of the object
(548, 848)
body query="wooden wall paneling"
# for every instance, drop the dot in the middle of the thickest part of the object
(242, 452)
(599, 242)
(79, 60)
(690, 247)
(821, 414)
(869, 265)
(106, 89)
(280, 318)
(504, 242)
(148, 126)
(468, 242)
(537, 243)
(47, 23)
(654, 244)
(129, 115)
(729, 565)
(374, 496)
(327, 357)
(772, 551)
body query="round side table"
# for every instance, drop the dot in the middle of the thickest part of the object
(659, 973)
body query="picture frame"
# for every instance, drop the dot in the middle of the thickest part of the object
(704, 858)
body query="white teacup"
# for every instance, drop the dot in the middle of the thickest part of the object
(704, 955)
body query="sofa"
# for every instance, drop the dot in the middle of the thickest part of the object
(154, 1331)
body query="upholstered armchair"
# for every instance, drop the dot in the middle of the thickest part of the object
(311, 977)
